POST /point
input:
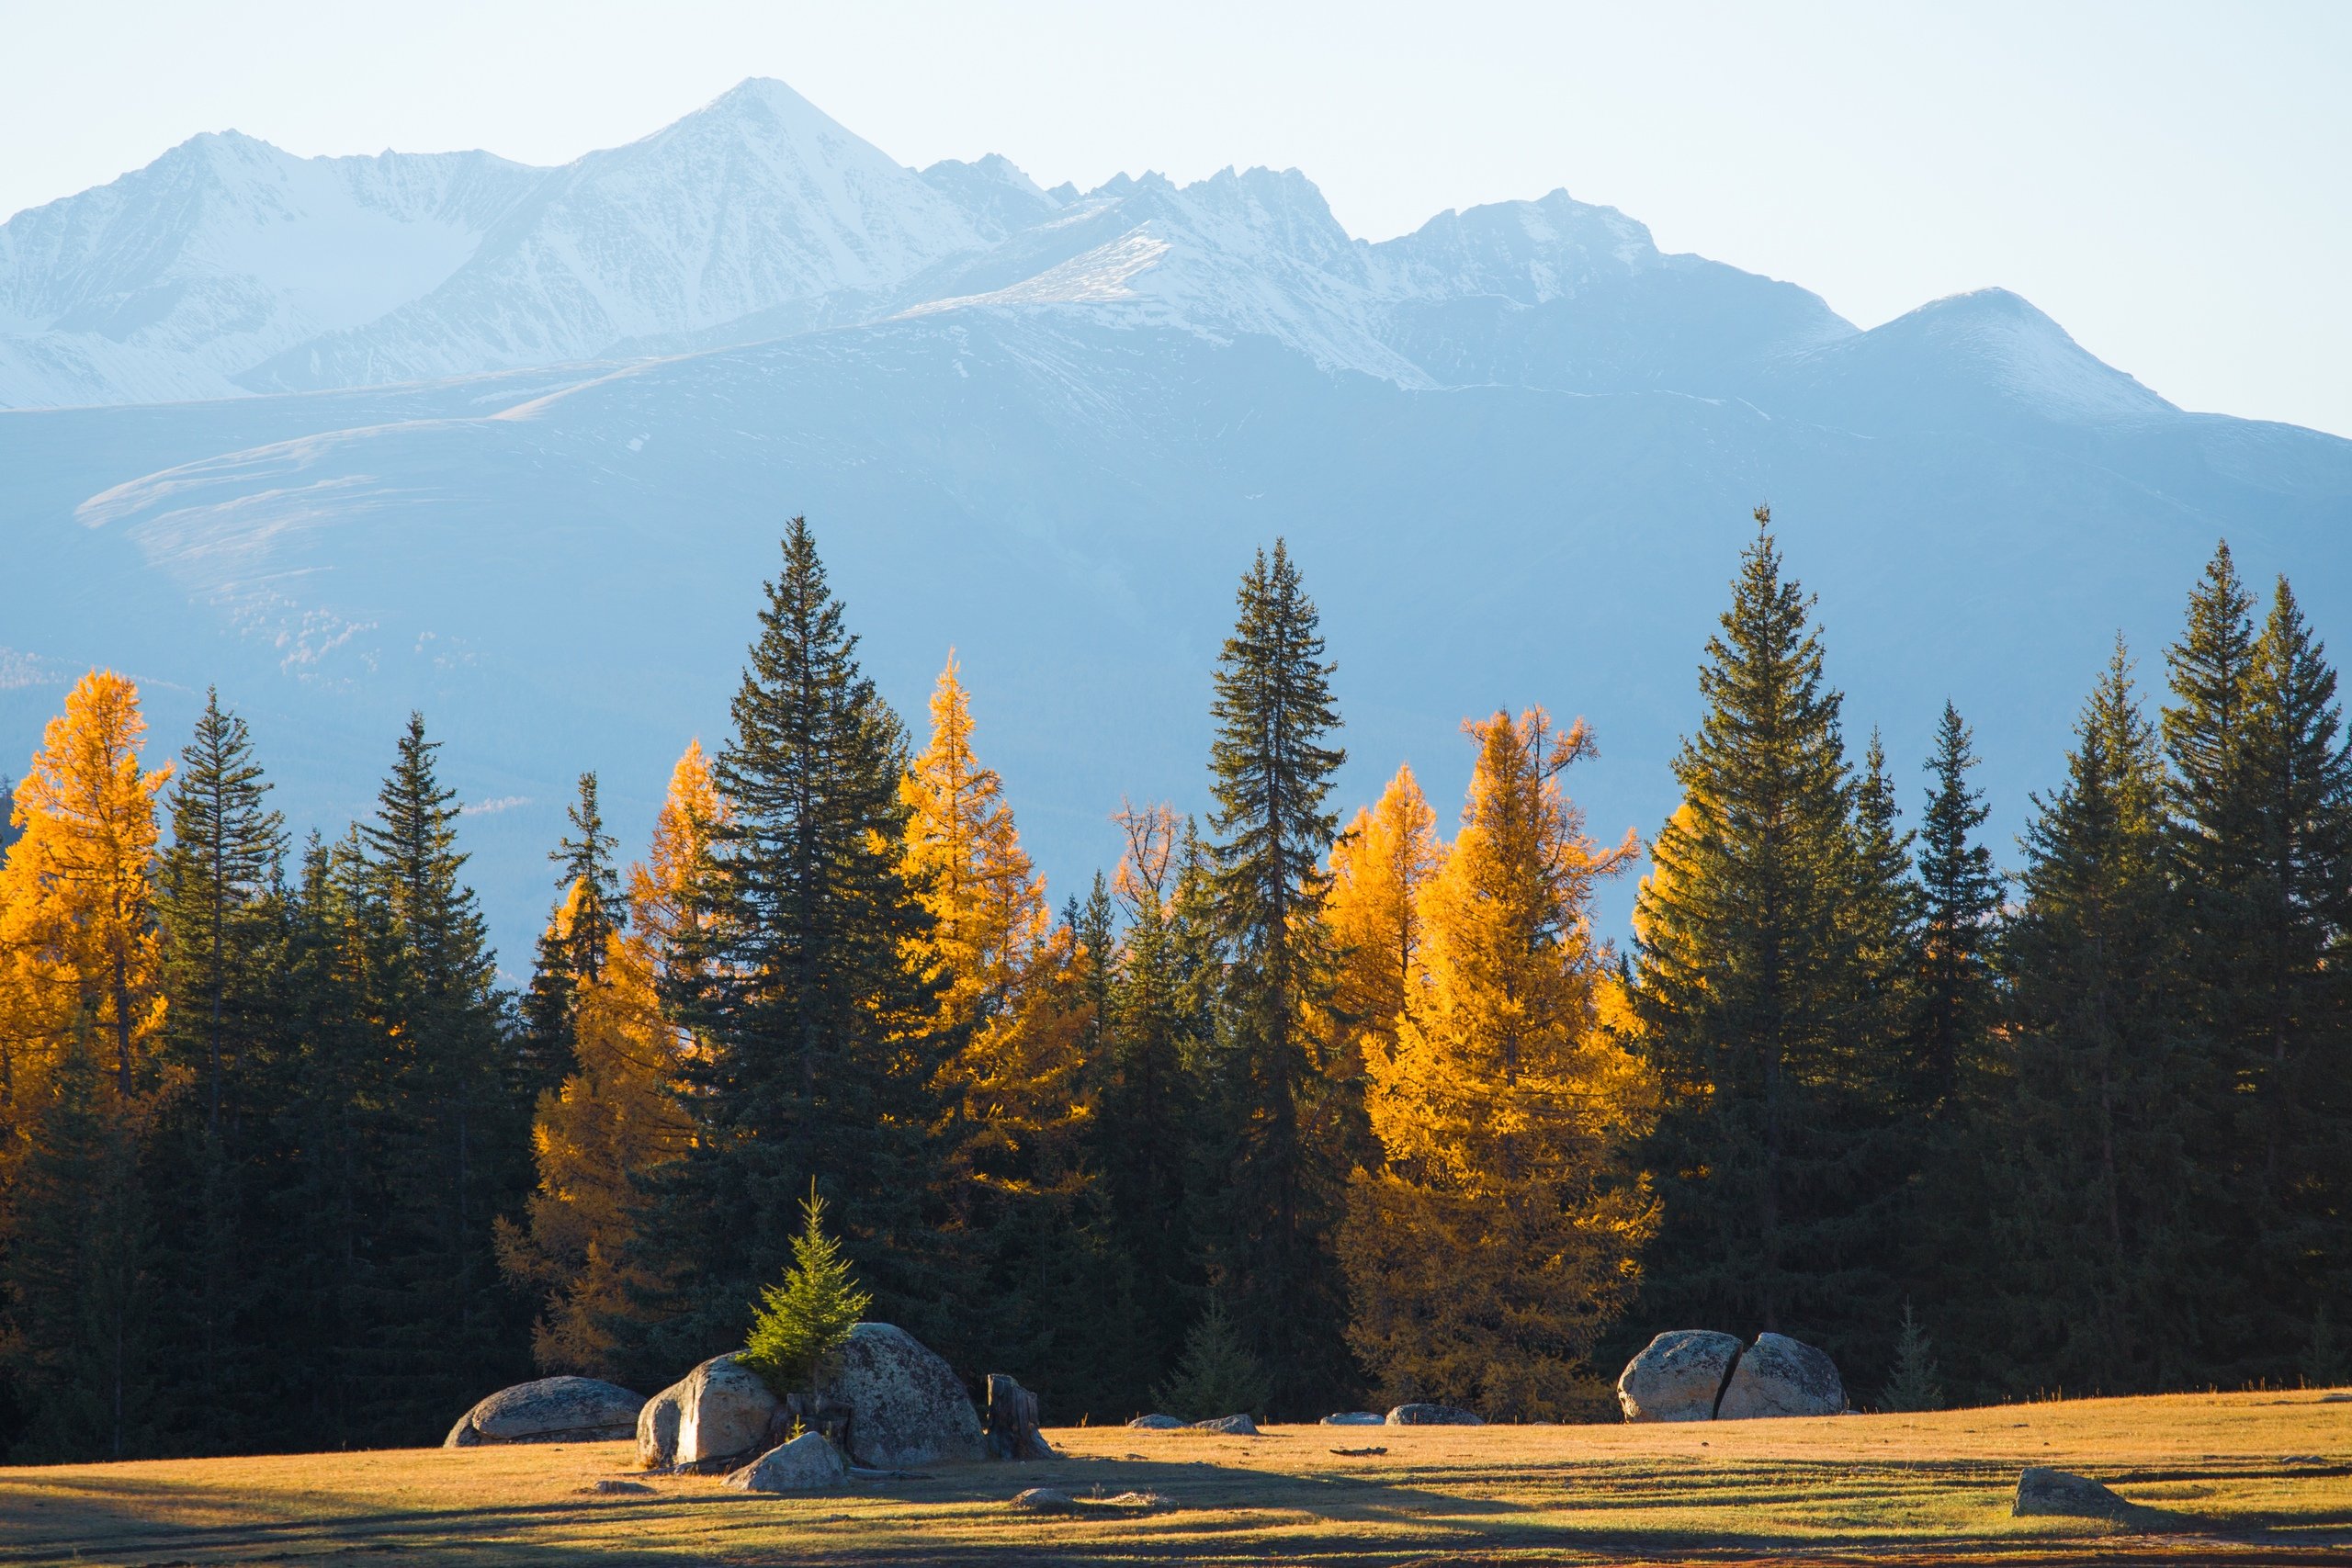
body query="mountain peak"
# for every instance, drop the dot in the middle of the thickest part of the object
(2026, 354)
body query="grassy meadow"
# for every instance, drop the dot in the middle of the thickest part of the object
(2243, 1478)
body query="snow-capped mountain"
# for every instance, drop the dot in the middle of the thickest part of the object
(547, 425)
(170, 281)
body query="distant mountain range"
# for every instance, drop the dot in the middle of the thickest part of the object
(349, 436)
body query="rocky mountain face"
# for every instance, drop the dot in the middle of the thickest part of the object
(515, 446)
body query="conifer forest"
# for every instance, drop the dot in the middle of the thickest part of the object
(1305, 1102)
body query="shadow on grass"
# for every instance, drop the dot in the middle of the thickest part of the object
(1221, 1513)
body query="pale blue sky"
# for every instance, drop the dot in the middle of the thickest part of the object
(2173, 182)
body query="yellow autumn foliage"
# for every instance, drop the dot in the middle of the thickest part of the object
(617, 1114)
(1005, 970)
(1379, 867)
(1499, 1237)
(78, 944)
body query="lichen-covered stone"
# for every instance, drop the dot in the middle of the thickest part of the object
(906, 1405)
(1780, 1376)
(551, 1410)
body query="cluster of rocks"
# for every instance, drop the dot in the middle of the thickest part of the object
(1694, 1374)
(1415, 1414)
(1235, 1425)
(889, 1403)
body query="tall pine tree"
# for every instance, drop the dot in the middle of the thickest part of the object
(2101, 1261)
(816, 1052)
(1271, 767)
(1960, 894)
(456, 1125)
(1755, 965)
(220, 898)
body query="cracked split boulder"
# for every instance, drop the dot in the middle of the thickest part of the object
(807, 1463)
(551, 1410)
(1780, 1376)
(1677, 1376)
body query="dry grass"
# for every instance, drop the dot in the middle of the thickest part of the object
(2245, 1478)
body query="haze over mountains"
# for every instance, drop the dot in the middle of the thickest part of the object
(351, 435)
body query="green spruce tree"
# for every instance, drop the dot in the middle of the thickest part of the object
(1962, 893)
(2096, 1221)
(2276, 1006)
(79, 1346)
(1762, 941)
(222, 908)
(456, 1123)
(802, 1323)
(1218, 1374)
(588, 911)
(816, 1063)
(1272, 764)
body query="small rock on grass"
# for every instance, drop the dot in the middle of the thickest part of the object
(609, 1484)
(2054, 1491)
(807, 1463)
(1431, 1415)
(1355, 1419)
(1230, 1425)
(1046, 1500)
(1357, 1454)
(1154, 1423)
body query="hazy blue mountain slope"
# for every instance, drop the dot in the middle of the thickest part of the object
(568, 582)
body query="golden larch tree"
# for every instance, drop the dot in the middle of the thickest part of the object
(1004, 968)
(1499, 1236)
(1379, 867)
(78, 944)
(617, 1115)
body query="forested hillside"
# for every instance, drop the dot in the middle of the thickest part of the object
(1305, 1100)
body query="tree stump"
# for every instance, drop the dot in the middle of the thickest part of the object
(1013, 1422)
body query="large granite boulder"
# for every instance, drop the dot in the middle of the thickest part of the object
(657, 1429)
(1421, 1414)
(553, 1410)
(2041, 1491)
(807, 1463)
(1679, 1376)
(1780, 1376)
(720, 1410)
(906, 1405)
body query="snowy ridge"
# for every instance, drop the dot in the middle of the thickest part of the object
(754, 201)
(228, 267)
(165, 283)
